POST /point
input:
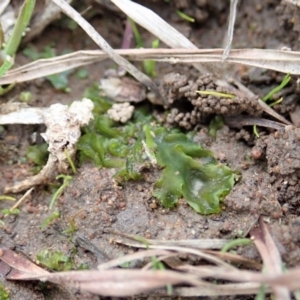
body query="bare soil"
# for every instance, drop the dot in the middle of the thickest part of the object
(269, 165)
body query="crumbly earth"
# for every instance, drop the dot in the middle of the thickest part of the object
(183, 94)
(269, 170)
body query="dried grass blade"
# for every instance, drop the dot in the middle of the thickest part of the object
(236, 259)
(229, 38)
(98, 39)
(45, 67)
(196, 252)
(120, 283)
(290, 279)
(264, 106)
(295, 2)
(21, 268)
(3, 6)
(154, 24)
(41, 19)
(30, 115)
(232, 274)
(130, 257)
(207, 289)
(270, 255)
(278, 60)
(273, 113)
(198, 244)
(240, 121)
(159, 28)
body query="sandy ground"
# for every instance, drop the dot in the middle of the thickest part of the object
(269, 165)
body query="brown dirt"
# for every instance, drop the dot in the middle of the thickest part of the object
(269, 165)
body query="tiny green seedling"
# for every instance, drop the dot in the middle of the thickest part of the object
(70, 161)
(215, 124)
(142, 240)
(1, 39)
(184, 16)
(10, 48)
(72, 228)
(55, 260)
(9, 198)
(216, 94)
(255, 131)
(158, 265)
(72, 222)
(14, 209)
(285, 81)
(50, 219)
(9, 212)
(38, 154)
(59, 81)
(26, 97)
(4, 293)
(155, 263)
(67, 179)
(82, 74)
(236, 243)
(276, 102)
(269, 96)
(137, 35)
(148, 65)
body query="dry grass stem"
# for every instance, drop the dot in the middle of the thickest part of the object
(98, 39)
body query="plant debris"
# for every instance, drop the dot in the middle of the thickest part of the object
(63, 131)
(127, 282)
(122, 89)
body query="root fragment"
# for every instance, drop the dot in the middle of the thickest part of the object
(63, 131)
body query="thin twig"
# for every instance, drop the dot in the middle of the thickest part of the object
(21, 199)
(240, 121)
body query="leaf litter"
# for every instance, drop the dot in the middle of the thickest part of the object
(129, 282)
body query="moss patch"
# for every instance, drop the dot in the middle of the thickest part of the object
(55, 260)
(188, 170)
(4, 294)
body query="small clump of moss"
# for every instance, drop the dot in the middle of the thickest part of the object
(4, 293)
(58, 261)
(55, 260)
(188, 170)
(38, 154)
